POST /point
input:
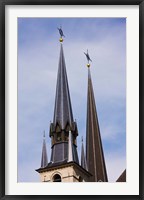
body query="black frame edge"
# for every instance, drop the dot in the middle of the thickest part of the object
(2, 101)
(141, 99)
(71, 2)
(2, 95)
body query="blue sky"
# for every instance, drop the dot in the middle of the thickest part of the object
(38, 55)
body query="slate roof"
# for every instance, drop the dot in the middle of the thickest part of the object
(63, 109)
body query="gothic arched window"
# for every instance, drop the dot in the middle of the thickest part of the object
(57, 178)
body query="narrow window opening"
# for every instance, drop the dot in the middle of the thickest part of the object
(80, 179)
(57, 178)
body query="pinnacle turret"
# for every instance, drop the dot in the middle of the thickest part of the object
(44, 158)
(83, 158)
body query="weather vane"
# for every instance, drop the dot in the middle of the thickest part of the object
(61, 34)
(88, 58)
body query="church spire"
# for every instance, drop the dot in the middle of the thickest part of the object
(83, 158)
(94, 150)
(63, 122)
(63, 110)
(44, 159)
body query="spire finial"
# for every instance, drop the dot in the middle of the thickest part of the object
(61, 34)
(88, 58)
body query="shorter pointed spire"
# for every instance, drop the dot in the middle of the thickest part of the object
(94, 150)
(70, 147)
(83, 158)
(44, 159)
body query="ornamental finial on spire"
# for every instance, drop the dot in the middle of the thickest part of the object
(61, 34)
(88, 58)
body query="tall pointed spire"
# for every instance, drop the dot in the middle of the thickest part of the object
(44, 159)
(63, 110)
(63, 122)
(83, 158)
(94, 150)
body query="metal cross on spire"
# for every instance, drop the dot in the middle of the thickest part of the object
(88, 58)
(61, 34)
